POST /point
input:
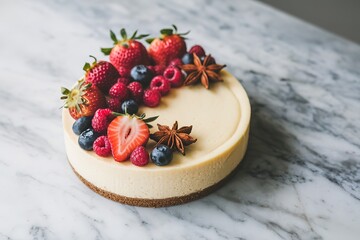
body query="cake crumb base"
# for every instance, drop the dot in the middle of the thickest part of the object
(155, 203)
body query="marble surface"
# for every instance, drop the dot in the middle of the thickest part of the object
(299, 180)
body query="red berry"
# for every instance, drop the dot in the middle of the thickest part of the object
(198, 50)
(120, 91)
(123, 80)
(102, 146)
(151, 98)
(160, 84)
(157, 69)
(124, 72)
(101, 119)
(114, 104)
(176, 62)
(174, 76)
(136, 91)
(101, 74)
(139, 156)
(126, 133)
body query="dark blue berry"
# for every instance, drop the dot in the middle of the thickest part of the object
(87, 138)
(81, 125)
(130, 107)
(188, 58)
(141, 74)
(161, 155)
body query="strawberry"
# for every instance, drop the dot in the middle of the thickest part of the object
(101, 74)
(83, 100)
(126, 133)
(169, 46)
(128, 52)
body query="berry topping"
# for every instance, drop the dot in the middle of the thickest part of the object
(141, 74)
(120, 91)
(161, 155)
(102, 146)
(136, 91)
(157, 69)
(198, 50)
(129, 107)
(188, 58)
(101, 120)
(139, 156)
(151, 98)
(114, 104)
(210, 61)
(126, 133)
(81, 125)
(87, 139)
(83, 100)
(123, 80)
(160, 84)
(124, 72)
(169, 46)
(177, 62)
(127, 52)
(174, 76)
(101, 74)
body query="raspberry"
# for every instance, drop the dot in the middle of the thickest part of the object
(160, 84)
(151, 98)
(101, 119)
(123, 80)
(139, 156)
(136, 91)
(114, 104)
(174, 76)
(176, 62)
(198, 50)
(157, 69)
(102, 146)
(120, 91)
(124, 72)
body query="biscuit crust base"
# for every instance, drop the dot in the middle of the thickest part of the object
(155, 203)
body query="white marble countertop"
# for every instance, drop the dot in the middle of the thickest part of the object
(301, 175)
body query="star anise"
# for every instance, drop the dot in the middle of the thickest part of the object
(202, 71)
(174, 138)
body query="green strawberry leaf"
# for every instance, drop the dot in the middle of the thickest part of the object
(141, 36)
(95, 60)
(86, 67)
(166, 31)
(150, 119)
(174, 27)
(149, 40)
(123, 34)
(149, 125)
(113, 37)
(134, 35)
(106, 51)
(65, 91)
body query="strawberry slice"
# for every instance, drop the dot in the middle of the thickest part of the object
(125, 133)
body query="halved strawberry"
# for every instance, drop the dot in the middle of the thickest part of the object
(126, 133)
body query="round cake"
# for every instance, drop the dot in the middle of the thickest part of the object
(220, 117)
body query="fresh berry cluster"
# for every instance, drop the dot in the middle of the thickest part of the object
(106, 101)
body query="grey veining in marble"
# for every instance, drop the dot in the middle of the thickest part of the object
(299, 180)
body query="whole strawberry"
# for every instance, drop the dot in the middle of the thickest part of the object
(169, 46)
(128, 52)
(101, 74)
(83, 100)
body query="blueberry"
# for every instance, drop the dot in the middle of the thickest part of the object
(87, 138)
(129, 106)
(161, 155)
(141, 74)
(81, 125)
(188, 58)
